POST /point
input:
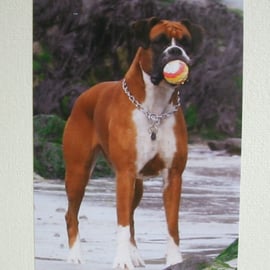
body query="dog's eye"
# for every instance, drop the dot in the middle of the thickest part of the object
(185, 42)
(160, 41)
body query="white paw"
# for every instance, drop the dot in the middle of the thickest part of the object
(135, 256)
(123, 258)
(75, 255)
(174, 255)
(127, 256)
(123, 263)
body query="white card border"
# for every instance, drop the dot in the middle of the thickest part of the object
(16, 195)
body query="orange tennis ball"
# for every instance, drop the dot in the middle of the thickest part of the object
(175, 72)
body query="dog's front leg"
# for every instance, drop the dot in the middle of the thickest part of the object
(171, 197)
(125, 193)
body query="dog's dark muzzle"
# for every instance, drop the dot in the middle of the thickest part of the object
(176, 53)
(170, 54)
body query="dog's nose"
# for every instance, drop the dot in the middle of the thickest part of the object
(155, 79)
(175, 51)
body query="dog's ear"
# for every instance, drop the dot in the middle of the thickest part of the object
(142, 29)
(196, 33)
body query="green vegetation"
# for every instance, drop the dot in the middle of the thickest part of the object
(238, 12)
(48, 161)
(191, 117)
(227, 255)
(48, 155)
(42, 61)
(102, 168)
(64, 104)
(48, 128)
(209, 132)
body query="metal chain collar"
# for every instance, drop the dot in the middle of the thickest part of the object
(153, 118)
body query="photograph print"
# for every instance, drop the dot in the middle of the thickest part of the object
(137, 116)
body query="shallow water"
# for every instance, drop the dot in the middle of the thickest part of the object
(208, 216)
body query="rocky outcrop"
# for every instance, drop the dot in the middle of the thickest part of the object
(80, 43)
(231, 145)
(192, 263)
(221, 262)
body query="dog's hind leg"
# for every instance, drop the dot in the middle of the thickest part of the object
(79, 153)
(75, 187)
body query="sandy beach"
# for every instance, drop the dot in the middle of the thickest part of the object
(208, 218)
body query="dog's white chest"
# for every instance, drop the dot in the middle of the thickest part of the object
(164, 145)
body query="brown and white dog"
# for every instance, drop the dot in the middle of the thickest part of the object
(138, 125)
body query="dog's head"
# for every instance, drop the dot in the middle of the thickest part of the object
(164, 41)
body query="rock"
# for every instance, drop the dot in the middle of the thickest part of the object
(192, 263)
(98, 45)
(216, 145)
(48, 160)
(102, 168)
(36, 48)
(38, 177)
(56, 97)
(231, 145)
(224, 260)
(217, 265)
(205, 263)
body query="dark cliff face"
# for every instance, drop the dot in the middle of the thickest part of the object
(83, 42)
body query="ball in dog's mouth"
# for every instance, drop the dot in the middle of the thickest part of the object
(175, 72)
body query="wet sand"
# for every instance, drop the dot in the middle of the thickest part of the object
(208, 218)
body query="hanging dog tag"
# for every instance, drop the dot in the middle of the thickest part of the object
(153, 136)
(153, 132)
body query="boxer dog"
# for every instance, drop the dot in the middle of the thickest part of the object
(138, 125)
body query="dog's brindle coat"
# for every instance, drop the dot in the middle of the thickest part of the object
(104, 119)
